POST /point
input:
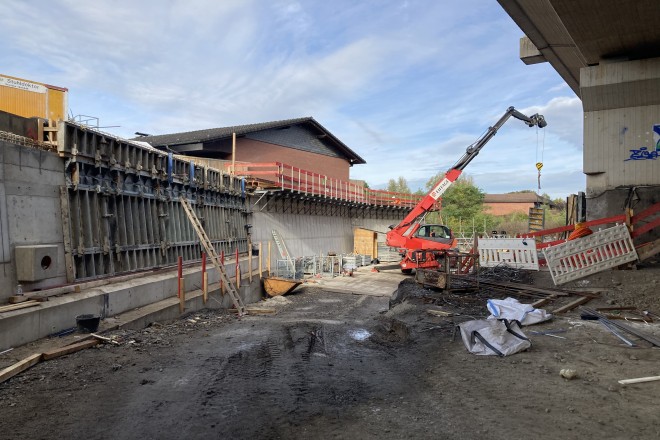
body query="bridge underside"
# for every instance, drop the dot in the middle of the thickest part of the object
(608, 52)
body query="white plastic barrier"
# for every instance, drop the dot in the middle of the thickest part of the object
(594, 253)
(519, 253)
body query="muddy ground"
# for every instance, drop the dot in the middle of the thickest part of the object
(332, 365)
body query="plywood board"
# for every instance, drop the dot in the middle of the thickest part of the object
(364, 242)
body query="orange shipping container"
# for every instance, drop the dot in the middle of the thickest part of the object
(32, 99)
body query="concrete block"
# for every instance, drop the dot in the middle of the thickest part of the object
(37, 262)
(137, 293)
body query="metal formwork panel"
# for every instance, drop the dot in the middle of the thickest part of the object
(519, 253)
(124, 209)
(594, 253)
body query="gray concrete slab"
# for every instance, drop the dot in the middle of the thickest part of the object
(364, 282)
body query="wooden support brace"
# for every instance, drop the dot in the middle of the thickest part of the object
(182, 296)
(205, 288)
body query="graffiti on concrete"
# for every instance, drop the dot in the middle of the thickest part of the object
(642, 154)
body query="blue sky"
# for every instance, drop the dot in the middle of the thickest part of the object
(408, 85)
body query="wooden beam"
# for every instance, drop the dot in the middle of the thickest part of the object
(20, 366)
(572, 305)
(648, 250)
(543, 301)
(12, 307)
(68, 349)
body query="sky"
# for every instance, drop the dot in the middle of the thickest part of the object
(407, 85)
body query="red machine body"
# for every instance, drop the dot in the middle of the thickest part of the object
(423, 245)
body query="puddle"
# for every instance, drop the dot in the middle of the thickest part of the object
(359, 334)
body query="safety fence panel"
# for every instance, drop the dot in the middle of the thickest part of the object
(519, 253)
(594, 253)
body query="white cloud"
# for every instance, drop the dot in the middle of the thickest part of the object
(565, 119)
(407, 85)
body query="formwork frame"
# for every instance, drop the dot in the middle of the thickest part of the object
(122, 210)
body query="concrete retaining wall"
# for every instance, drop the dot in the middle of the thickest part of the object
(30, 214)
(149, 292)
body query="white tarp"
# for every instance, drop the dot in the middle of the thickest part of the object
(511, 309)
(488, 337)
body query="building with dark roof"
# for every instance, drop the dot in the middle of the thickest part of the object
(301, 143)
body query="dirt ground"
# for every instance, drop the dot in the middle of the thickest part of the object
(333, 365)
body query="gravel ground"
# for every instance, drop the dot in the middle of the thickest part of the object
(332, 365)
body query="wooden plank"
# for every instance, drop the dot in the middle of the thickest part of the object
(544, 301)
(68, 349)
(24, 305)
(16, 299)
(527, 287)
(572, 305)
(20, 366)
(648, 250)
(364, 242)
(253, 311)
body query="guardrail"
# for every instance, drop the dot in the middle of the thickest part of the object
(287, 177)
(640, 223)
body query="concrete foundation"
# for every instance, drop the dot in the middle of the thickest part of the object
(155, 293)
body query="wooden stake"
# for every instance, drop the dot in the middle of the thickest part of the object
(182, 296)
(204, 279)
(222, 261)
(250, 261)
(179, 275)
(238, 271)
(180, 292)
(268, 259)
(205, 287)
(260, 261)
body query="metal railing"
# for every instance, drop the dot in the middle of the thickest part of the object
(287, 177)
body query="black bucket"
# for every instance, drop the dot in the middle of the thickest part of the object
(88, 323)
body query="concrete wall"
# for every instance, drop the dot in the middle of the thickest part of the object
(621, 103)
(30, 213)
(310, 232)
(304, 235)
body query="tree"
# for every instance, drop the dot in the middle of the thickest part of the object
(462, 200)
(400, 185)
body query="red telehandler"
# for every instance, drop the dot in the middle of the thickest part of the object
(412, 236)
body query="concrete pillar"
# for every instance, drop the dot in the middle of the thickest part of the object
(621, 103)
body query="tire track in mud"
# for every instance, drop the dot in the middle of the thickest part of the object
(299, 372)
